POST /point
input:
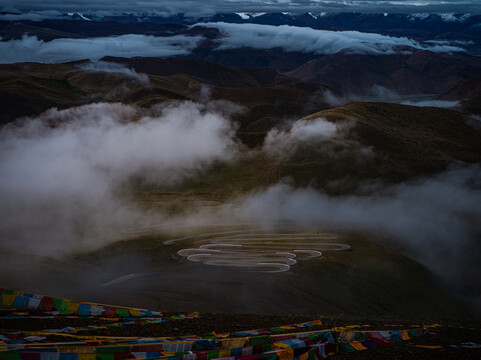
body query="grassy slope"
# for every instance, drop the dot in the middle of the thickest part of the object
(407, 142)
(419, 140)
(473, 104)
(369, 280)
(29, 89)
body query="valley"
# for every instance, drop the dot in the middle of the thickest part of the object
(254, 167)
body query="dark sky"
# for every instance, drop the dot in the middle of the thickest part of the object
(204, 7)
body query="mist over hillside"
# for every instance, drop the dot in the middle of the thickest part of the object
(208, 149)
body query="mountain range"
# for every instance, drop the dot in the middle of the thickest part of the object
(465, 28)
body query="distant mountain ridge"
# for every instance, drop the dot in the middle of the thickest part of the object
(28, 88)
(465, 27)
(419, 72)
(351, 20)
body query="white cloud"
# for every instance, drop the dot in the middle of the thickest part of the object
(432, 103)
(422, 213)
(303, 39)
(289, 38)
(280, 143)
(435, 220)
(451, 17)
(31, 15)
(30, 49)
(115, 68)
(62, 174)
(451, 42)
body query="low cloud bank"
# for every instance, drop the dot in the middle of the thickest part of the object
(15, 15)
(322, 42)
(288, 38)
(62, 174)
(451, 42)
(283, 142)
(115, 68)
(432, 103)
(413, 211)
(381, 94)
(30, 49)
(435, 220)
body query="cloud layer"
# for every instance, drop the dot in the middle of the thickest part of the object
(432, 103)
(30, 49)
(302, 39)
(115, 68)
(281, 143)
(30, 15)
(435, 220)
(62, 174)
(288, 38)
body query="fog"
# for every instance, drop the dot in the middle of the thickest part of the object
(281, 143)
(303, 39)
(63, 175)
(436, 221)
(67, 178)
(31, 49)
(381, 94)
(15, 15)
(288, 38)
(115, 68)
(432, 103)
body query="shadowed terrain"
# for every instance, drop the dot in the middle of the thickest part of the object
(379, 143)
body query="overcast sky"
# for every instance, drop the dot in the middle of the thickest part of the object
(206, 7)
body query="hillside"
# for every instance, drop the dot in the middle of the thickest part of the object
(469, 91)
(404, 142)
(240, 180)
(464, 90)
(207, 72)
(416, 139)
(419, 72)
(382, 144)
(29, 88)
(407, 141)
(473, 104)
(366, 280)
